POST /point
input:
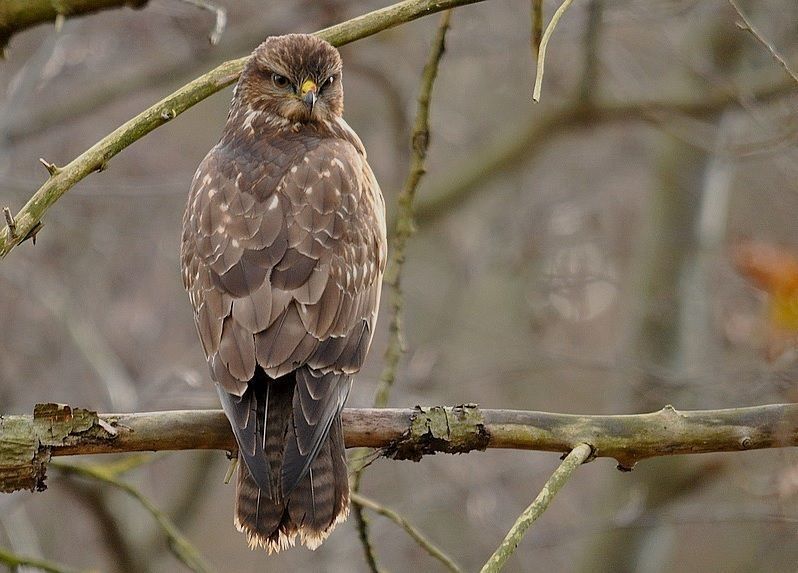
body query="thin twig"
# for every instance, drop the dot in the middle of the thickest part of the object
(425, 543)
(748, 26)
(52, 168)
(405, 226)
(108, 524)
(561, 475)
(97, 157)
(419, 141)
(221, 18)
(544, 42)
(13, 561)
(97, 501)
(362, 524)
(180, 546)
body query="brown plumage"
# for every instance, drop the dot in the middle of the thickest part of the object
(283, 252)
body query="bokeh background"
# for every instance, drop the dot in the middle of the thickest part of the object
(577, 255)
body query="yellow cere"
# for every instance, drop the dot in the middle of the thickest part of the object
(307, 86)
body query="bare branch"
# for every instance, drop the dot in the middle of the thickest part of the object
(419, 141)
(18, 15)
(362, 524)
(748, 26)
(180, 546)
(405, 227)
(561, 475)
(220, 14)
(544, 43)
(425, 544)
(13, 561)
(28, 442)
(96, 158)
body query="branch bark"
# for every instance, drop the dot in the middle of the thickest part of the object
(28, 442)
(19, 15)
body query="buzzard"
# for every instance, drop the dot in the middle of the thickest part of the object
(283, 252)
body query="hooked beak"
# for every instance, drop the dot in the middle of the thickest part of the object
(308, 92)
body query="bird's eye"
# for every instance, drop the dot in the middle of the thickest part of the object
(328, 82)
(280, 81)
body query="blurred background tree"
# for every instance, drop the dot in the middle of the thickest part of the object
(573, 255)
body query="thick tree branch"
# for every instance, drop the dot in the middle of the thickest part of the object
(96, 158)
(28, 442)
(19, 15)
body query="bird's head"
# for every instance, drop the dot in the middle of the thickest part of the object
(296, 77)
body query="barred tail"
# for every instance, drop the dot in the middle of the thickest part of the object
(311, 510)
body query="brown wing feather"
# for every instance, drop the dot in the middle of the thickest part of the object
(278, 277)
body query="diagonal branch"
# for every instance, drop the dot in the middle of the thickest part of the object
(748, 26)
(435, 552)
(561, 475)
(96, 158)
(180, 546)
(14, 561)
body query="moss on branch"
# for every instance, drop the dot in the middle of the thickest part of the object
(28, 442)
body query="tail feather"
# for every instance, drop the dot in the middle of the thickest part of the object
(272, 517)
(263, 520)
(321, 500)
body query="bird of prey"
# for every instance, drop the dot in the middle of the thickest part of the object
(283, 252)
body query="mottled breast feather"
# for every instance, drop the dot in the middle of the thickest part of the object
(281, 254)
